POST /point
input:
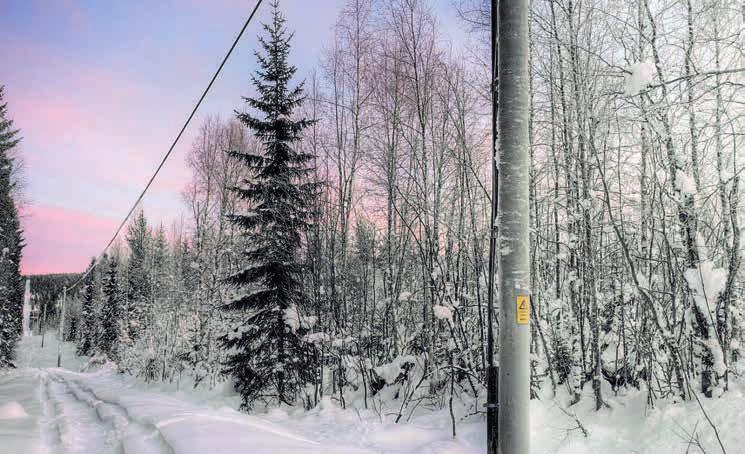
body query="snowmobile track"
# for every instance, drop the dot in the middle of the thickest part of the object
(103, 433)
(52, 431)
(135, 436)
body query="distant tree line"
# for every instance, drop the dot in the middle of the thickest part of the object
(46, 298)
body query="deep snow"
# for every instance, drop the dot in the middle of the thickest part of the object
(44, 409)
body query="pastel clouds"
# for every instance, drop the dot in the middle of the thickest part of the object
(61, 240)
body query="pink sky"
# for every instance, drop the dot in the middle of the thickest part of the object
(99, 92)
(54, 232)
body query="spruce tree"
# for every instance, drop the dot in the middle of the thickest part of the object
(138, 281)
(159, 270)
(267, 355)
(11, 242)
(8, 136)
(113, 313)
(88, 315)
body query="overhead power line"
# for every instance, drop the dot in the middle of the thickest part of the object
(173, 145)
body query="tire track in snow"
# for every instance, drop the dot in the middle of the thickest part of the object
(136, 436)
(82, 430)
(52, 433)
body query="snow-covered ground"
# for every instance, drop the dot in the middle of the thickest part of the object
(44, 409)
(55, 410)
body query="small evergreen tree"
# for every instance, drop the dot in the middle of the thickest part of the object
(11, 242)
(138, 281)
(159, 272)
(267, 355)
(113, 313)
(88, 315)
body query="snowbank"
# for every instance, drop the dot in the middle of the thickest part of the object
(12, 410)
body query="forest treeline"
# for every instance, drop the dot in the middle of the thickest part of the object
(348, 255)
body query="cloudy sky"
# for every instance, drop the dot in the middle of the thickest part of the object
(100, 88)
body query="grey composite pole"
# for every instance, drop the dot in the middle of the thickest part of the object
(492, 372)
(513, 212)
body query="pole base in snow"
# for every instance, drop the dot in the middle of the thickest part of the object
(492, 409)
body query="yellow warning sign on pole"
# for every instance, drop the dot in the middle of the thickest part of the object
(523, 309)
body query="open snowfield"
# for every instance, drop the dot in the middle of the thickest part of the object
(44, 409)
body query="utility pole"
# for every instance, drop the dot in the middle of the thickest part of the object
(492, 371)
(43, 323)
(61, 327)
(514, 236)
(27, 309)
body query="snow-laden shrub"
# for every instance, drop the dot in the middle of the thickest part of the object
(98, 361)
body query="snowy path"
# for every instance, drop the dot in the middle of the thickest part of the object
(56, 411)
